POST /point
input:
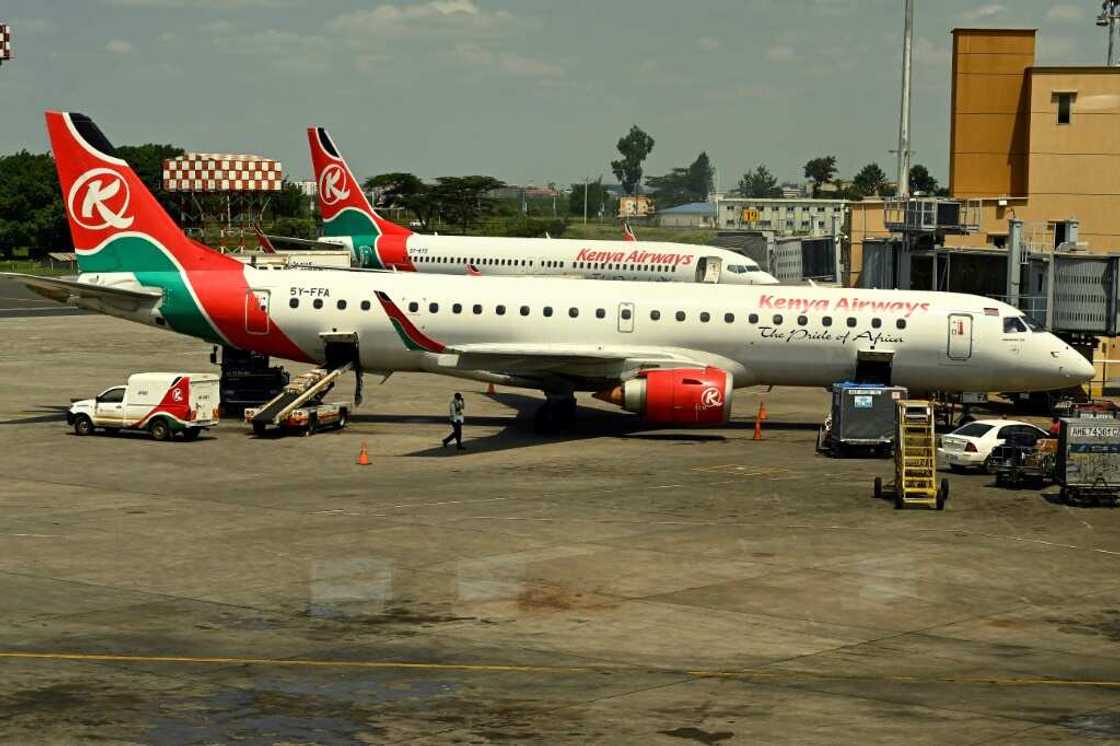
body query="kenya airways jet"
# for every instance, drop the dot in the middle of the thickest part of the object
(671, 353)
(349, 220)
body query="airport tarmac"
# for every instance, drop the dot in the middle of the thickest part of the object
(615, 585)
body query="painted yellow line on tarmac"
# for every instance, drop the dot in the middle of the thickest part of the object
(514, 668)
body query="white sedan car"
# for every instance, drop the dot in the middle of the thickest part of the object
(971, 444)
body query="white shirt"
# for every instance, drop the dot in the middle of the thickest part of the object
(456, 409)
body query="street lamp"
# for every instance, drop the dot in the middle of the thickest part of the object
(1110, 18)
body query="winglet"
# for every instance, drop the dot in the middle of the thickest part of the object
(413, 338)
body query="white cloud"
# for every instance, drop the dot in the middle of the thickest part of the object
(119, 46)
(515, 64)
(462, 17)
(984, 11)
(708, 44)
(781, 53)
(1065, 13)
(221, 4)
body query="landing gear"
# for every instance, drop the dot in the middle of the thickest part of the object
(557, 413)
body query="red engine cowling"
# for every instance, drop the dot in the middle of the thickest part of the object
(680, 396)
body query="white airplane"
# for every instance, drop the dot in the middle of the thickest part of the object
(672, 353)
(349, 220)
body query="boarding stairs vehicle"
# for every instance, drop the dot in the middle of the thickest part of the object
(915, 460)
(300, 405)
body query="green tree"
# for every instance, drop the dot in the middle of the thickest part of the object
(759, 183)
(598, 198)
(869, 181)
(406, 191)
(683, 185)
(821, 170)
(464, 200)
(922, 181)
(31, 212)
(147, 161)
(634, 147)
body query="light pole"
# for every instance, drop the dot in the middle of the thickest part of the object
(904, 114)
(1110, 18)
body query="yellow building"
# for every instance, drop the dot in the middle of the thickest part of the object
(1040, 144)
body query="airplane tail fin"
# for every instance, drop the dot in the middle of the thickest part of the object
(116, 223)
(628, 233)
(343, 205)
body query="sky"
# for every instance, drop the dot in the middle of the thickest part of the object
(529, 91)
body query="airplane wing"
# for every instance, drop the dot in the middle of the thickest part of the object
(65, 291)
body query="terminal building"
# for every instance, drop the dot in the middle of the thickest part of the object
(799, 216)
(1034, 175)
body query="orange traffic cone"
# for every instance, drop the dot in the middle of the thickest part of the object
(363, 456)
(759, 419)
(762, 410)
(490, 390)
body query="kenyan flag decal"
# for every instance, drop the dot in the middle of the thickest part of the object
(413, 338)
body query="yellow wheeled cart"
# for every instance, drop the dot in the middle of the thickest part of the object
(915, 459)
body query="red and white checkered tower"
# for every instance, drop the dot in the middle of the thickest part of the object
(5, 43)
(212, 183)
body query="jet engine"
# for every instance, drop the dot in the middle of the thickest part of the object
(679, 396)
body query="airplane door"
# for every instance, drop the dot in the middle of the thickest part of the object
(708, 269)
(960, 336)
(626, 317)
(256, 311)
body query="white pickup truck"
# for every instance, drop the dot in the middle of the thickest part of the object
(161, 403)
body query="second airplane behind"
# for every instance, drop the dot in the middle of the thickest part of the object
(376, 243)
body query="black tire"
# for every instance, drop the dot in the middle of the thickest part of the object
(999, 479)
(191, 433)
(343, 418)
(878, 490)
(159, 429)
(259, 429)
(312, 425)
(940, 504)
(83, 425)
(944, 490)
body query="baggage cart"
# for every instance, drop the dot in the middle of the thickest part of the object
(862, 419)
(1088, 463)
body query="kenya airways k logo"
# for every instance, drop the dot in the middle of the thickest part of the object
(330, 181)
(99, 200)
(710, 398)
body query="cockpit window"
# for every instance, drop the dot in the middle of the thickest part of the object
(740, 269)
(1012, 325)
(1033, 325)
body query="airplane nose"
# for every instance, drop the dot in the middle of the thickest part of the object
(1078, 368)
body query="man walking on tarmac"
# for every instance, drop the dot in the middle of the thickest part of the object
(458, 406)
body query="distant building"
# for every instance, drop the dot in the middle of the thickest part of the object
(635, 206)
(784, 217)
(791, 190)
(692, 215)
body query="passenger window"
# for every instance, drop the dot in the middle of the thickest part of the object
(626, 314)
(524, 310)
(777, 319)
(851, 322)
(341, 305)
(457, 308)
(753, 318)
(729, 318)
(293, 303)
(477, 309)
(547, 311)
(826, 321)
(500, 310)
(654, 315)
(365, 305)
(802, 320)
(901, 323)
(318, 303)
(876, 323)
(573, 312)
(680, 316)
(433, 308)
(600, 313)
(705, 317)
(413, 307)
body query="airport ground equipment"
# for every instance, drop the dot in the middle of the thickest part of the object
(915, 459)
(163, 404)
(247, 379)
(862, 419)
(300, 404)
(1088, 462)
(1017, 464)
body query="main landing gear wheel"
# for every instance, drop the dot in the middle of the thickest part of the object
(83, 425)
(555, 414)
